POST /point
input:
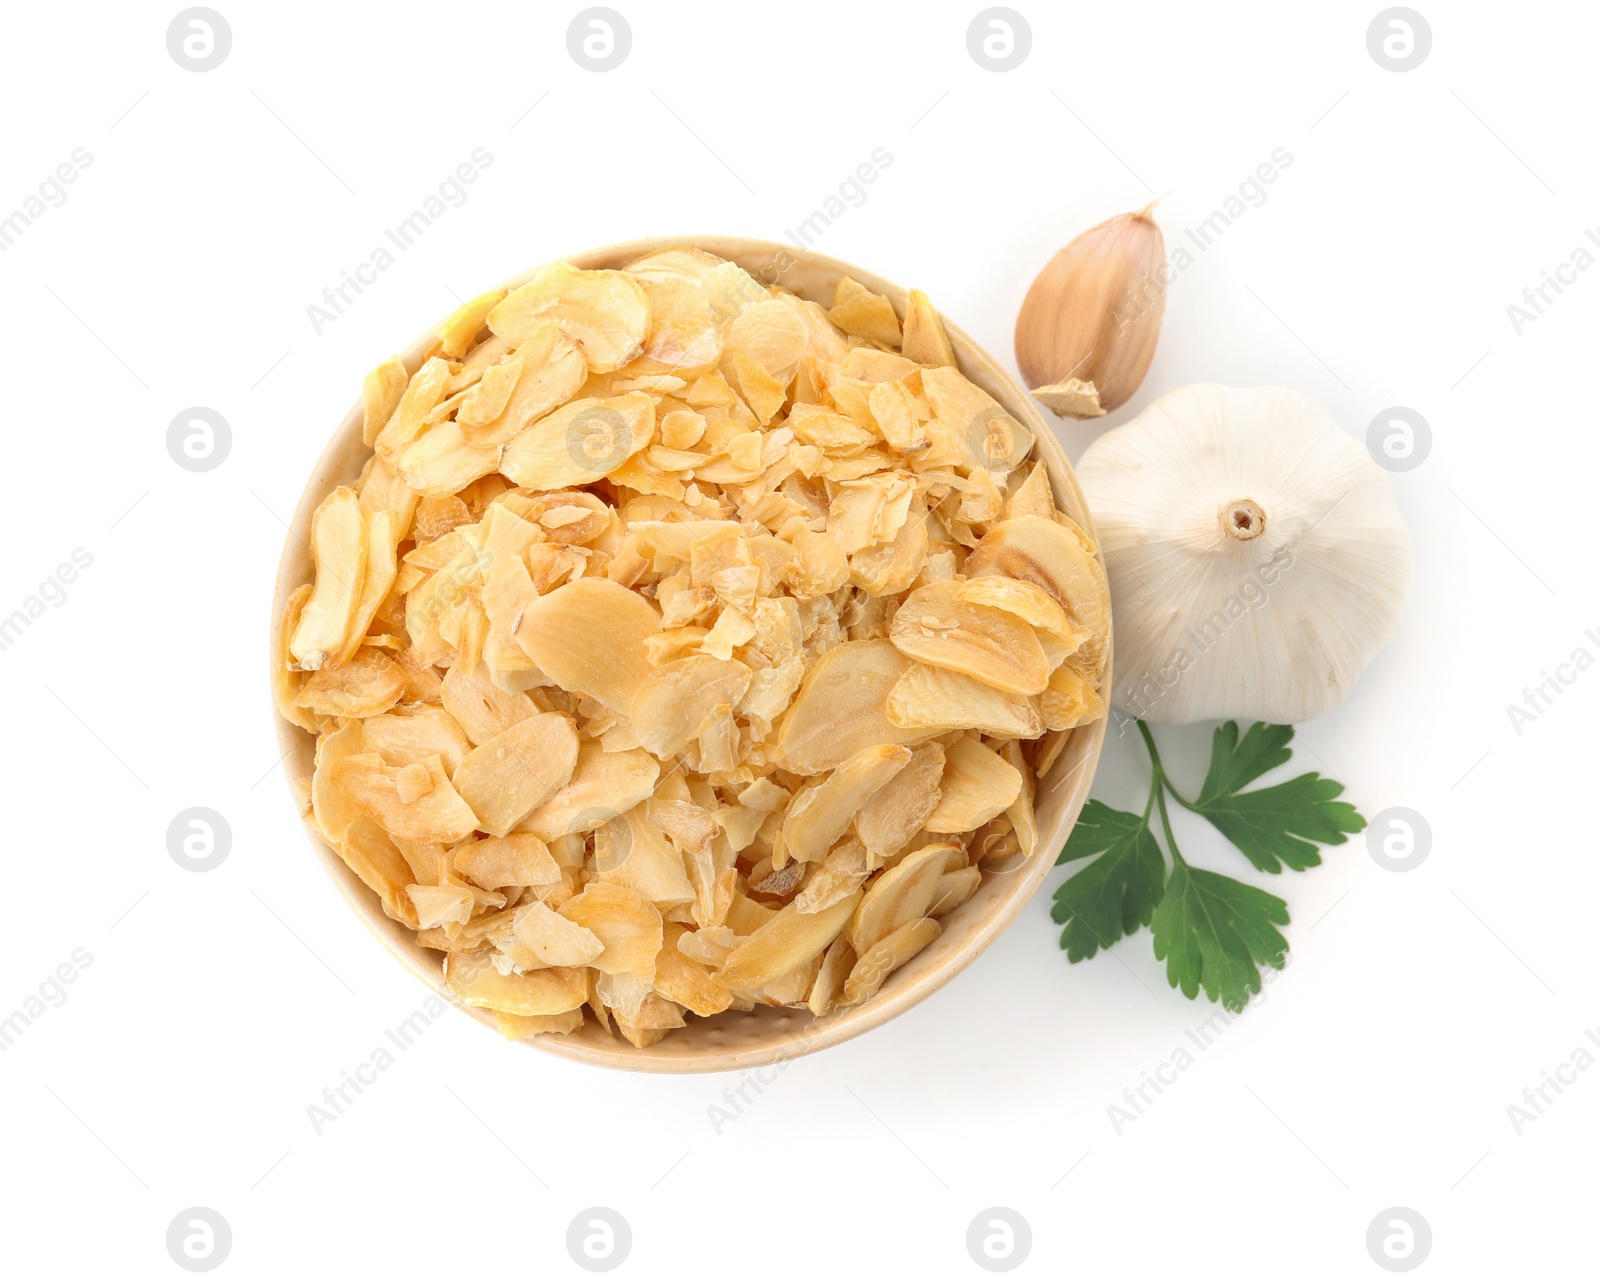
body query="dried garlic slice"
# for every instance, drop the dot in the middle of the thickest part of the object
(840, 709)
(472, 980)
(976, 785)
(604, 312)
(900, 895)
(520, 768)
(942, 627)
(786, 941)
(374, 789)
(497, 862)
(604, 784)
(886, 957)
(899, 810)
(859, 311)
(581, 442)
(589, 637)
(936, 699)
(819, 815)
(338, 552)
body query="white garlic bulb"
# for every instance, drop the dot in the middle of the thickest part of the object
(1256, 556)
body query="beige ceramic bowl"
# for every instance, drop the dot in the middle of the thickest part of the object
(765, 1035)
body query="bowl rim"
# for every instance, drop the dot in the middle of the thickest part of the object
(809, 1035)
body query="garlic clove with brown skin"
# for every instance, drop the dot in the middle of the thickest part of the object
(1088, 327)
(1256, 556)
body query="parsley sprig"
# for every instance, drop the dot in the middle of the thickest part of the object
(1214, 933)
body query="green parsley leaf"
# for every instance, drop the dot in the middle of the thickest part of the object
(1233, 764)
(1115, 894)
(1272, 826)
(1214, 932)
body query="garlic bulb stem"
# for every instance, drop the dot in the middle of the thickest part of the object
(1243, 519)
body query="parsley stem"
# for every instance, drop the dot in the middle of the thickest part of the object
(1155, 791)
(1159, 787)
(1166, 826)
(1150, 746)
(1155, 761)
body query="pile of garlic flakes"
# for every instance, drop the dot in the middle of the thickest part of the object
(685, 645)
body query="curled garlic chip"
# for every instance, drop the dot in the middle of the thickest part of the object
(937, 626)
(685, 645)
(505, 778)
(604, 312)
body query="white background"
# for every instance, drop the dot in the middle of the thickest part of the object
(218, 1006)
